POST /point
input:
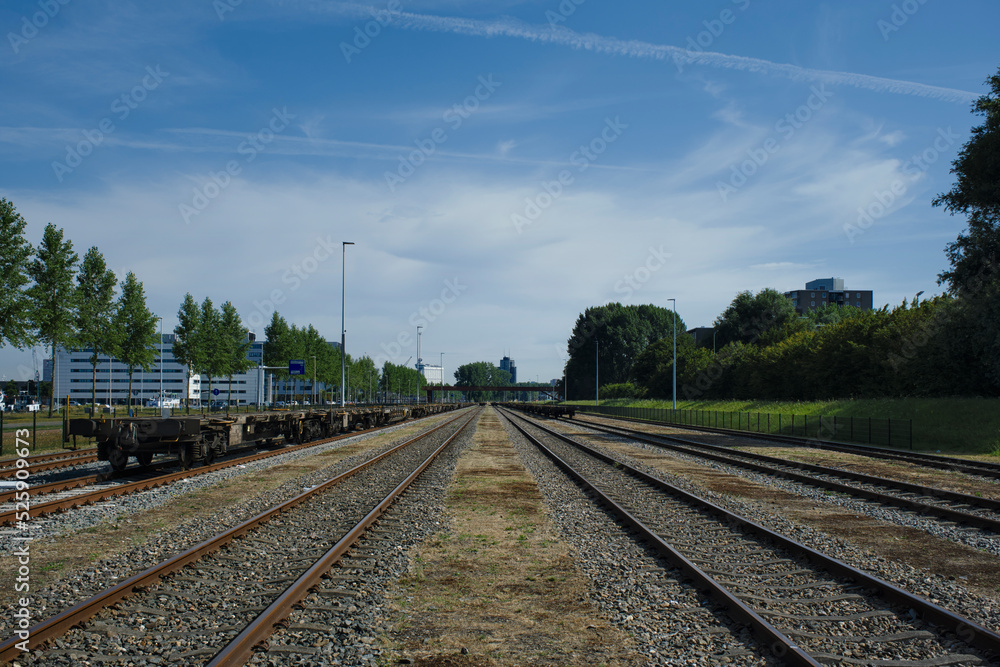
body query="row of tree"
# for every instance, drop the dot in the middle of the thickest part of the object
(948, 345)
(49, 296)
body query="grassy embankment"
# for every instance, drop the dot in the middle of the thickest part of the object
(952, 425)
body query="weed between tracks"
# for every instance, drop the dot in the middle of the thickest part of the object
(498, 583)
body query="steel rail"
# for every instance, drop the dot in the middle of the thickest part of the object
(781, 645)
(729, 457)
(47, 456)
(965, 629)
(59, 624)
(11, 517)
(971, 467)
(239, 650)
(84, 456)
(51, 487)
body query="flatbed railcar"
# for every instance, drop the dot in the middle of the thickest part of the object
(201, 438)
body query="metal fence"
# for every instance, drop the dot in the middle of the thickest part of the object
(881, 431)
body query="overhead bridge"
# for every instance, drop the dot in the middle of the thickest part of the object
(547, 390)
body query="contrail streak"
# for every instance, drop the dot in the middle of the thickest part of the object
(637, 49)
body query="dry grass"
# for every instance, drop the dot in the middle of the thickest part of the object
(498, 583)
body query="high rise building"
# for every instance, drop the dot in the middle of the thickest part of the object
(507, 364)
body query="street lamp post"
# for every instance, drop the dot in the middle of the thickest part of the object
(675, 352)
(312, 394)
(161, 364)
(442, 376)
(343, 328)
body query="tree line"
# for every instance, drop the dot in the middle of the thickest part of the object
(49, 296)
(947, 345)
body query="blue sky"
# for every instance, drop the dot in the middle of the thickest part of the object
(500, 166)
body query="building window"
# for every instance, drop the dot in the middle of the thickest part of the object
(812, 294)
(858, 304)
(812, 303)
(824, 295)
(857, 295)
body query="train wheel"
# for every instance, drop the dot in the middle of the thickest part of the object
(144, 458)
(117, 458)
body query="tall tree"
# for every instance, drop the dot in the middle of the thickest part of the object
(15, 304)
(481, 374)
(618, 334)
(234, 344)
(277, 345)
(136, 328)
(762, 318)
(974, 255)
(212, 359)
(53, 296)
(186, 339)
(95, 312)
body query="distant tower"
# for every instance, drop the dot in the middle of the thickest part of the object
(507, 364)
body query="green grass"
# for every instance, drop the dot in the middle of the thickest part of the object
(952, 425)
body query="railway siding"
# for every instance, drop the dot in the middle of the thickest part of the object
(802, 603)
(74, 552)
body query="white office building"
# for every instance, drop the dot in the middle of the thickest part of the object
(433, 373)
(74, 379)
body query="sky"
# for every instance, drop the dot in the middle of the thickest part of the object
(499, 166)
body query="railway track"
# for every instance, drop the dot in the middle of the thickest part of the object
(809, 609)
(966, 509)
(219, 600)
(49, 461)
(92, 488)
(934, 461)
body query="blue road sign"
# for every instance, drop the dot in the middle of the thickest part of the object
(215, 392)
(296, 367)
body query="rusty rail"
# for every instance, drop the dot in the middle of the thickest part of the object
(59, 624)
(967, 630)
(238, 651)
